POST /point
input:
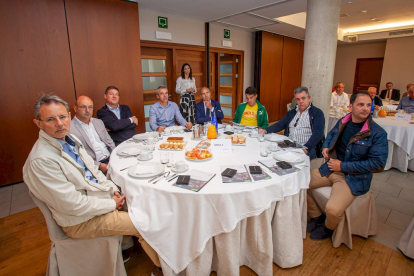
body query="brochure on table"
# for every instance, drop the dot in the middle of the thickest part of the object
(198, 179)
(241, 176)
(271, 165)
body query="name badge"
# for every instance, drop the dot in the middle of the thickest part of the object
(402, 117)
(221, 146)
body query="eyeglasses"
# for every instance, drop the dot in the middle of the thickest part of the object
(53, 120)
(84, 107)
(296, 123)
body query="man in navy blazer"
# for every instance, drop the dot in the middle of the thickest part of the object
(118, 119)
(202, 109)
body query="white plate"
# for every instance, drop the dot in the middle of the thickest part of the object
(220, 126)
(199, 160)
(142, 136)
(273, 137)
(179, 171)
(120, 153)
(149, 158)
(279, 156)
(158, 168)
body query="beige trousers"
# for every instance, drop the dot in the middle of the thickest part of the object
(115, 223)
(340, 199)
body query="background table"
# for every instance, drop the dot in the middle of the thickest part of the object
(254, 224)
(400, 142)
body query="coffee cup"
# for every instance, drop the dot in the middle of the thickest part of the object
(144, 155)
(179, 165)
(274, 147)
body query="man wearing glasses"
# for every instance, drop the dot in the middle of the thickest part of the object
(304, 125)
(118, 119)
(92, 133)
(59, 172)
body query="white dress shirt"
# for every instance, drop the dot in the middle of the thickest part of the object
(337, 100)
(99, 147)
(183, 84)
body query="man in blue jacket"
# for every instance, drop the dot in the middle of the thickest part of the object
(356, 148)
(203, 109)
(304, 125)
(118, 119)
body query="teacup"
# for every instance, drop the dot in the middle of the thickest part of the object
(229, 128)
(179, 165)
(151, 140)
(144, 155)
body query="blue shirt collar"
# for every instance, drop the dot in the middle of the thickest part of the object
(113, 109)
(160, 106)
(68, 140)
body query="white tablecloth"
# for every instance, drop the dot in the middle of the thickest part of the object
(400, 134)
(178, 223)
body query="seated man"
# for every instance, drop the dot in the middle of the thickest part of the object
(60, 173)
(251, 113)
(376, 100)
(339, 97)
(118, 119)
(356, 148)
(203, 109)
(408, 87)
(390, 93)
(407, 103)
(163, 113)
(304, 125)
(92, 133)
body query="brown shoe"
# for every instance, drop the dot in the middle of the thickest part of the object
(157, 271)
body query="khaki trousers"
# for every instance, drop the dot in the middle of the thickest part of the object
(340, 199)
(115, 223)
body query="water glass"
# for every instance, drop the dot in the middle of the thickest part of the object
(164, 157)
(160, 135)
(263, 151)
(155, 135)
(151, 147)
(174, 129)
(170, 160)
(261, 137)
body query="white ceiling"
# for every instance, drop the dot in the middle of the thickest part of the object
(260, 14)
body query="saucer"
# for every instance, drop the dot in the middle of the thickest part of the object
(179, 171)
(149, 157)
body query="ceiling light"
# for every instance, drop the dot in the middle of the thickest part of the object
(363, 12)
(382, 26)
(373, 19)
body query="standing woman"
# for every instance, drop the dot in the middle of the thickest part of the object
(186, 87)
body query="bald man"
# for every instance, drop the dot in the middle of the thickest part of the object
(92, 133)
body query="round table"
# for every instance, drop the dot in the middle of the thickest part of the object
(181, 224)
(400, 141)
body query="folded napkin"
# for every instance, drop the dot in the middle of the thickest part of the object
(140, 169)
(288, 157)
(131, 151)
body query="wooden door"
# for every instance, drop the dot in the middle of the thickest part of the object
(35, 59)
(368, 73)
(156, 65)
(228, 74)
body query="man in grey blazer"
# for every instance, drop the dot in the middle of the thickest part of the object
(91, 132)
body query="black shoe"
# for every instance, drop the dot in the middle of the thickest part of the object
(125, 256)
(321, 233)
(315, 222)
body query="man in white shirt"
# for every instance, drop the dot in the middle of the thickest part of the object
(339, 97)
(92, 133)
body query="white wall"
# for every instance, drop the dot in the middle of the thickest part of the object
(190, 31)
(398, 63)
(346, 57)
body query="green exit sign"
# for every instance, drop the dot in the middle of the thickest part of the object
(226, 33)
(162, 22)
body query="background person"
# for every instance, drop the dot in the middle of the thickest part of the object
(118, 119)
(408, 87)
(251, 113)
(203, 109)
(339, 97)
(376, 100)
(407, 103)
(92, 133)
(186, 87)
(390, 93)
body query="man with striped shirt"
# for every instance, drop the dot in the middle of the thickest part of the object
(304, 125)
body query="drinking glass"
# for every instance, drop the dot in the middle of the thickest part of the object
(164, 157)
(170, 160)
(175, 129)
(263, 151)
(160, 135)
(260, 137)
(151, 147)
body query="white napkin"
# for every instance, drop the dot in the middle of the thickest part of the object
(288, 157)
(140, 169)
(131, 151)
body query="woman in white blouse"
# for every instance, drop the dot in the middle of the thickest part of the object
(186, 87)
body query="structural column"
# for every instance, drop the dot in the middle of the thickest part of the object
(319, 55)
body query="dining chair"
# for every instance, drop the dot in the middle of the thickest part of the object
(67, 256)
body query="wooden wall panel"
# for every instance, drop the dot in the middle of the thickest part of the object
(291, 72)
(105, 46)
(35, 59)
(271, 72)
